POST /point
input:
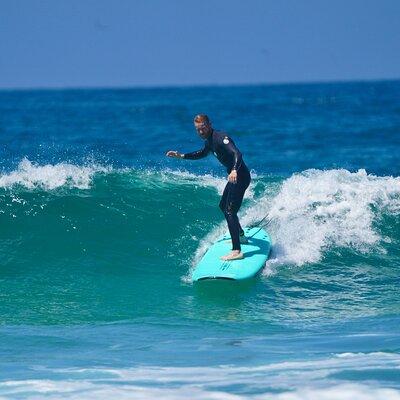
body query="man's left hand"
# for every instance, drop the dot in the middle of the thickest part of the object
(232, 177)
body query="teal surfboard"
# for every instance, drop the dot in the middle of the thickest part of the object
(255, 253)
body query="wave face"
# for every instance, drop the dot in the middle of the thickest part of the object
(99, 233)
(72, 234)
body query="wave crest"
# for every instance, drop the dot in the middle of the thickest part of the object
(49, 177)
(315, 210)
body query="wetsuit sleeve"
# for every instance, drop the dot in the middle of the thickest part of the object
(230, 148)
(196, 155)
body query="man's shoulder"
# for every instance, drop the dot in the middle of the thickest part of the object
(220, 133)
(220, 136)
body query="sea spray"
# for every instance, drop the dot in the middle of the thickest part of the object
(48, 177)
(317, 210)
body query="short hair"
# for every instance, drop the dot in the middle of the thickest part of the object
(202, 118)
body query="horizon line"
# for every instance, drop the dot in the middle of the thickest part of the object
(197, 85)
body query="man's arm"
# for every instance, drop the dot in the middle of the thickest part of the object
(196, 155)
(230, 147)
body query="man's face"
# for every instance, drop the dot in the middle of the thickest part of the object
(203, 129)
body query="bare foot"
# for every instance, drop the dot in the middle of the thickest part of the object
(234, 255)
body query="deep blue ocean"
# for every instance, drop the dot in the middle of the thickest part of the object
(99, 233)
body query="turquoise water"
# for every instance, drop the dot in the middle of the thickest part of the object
(100, 232)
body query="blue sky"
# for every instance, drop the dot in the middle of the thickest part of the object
(88, 43)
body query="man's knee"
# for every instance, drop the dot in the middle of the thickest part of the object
(229, 210)
(228, 215)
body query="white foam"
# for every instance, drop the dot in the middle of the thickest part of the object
(49, 177)
(310, 379)
(76, 390)
(342, 392)
(315, 210)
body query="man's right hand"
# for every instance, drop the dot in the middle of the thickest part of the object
(174, 154)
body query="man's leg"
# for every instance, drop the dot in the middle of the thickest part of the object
(227, 207)
(243, 184)
(229, 204)
(234, 228)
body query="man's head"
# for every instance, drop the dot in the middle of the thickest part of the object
(202, 125)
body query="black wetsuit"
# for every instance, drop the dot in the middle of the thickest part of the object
(223, 147)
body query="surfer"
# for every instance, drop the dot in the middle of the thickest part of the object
(223, 147)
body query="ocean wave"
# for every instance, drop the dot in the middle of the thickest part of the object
(312, 379)
(167, 177)
(72, 390)
(310, 212)
(183, 177)
(30, 175)
(316, 210)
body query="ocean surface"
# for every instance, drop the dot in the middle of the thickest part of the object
(99, 233)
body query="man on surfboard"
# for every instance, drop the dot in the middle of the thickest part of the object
(223, 147)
